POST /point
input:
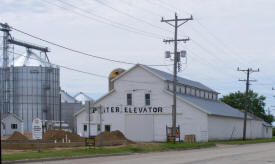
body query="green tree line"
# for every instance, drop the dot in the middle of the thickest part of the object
(256, 104)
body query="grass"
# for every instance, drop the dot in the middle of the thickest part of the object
(125, 149)
(135, 148)
(249, 141)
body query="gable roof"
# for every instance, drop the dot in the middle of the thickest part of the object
(65, 97)
(213, 107)
(4, 116)
(180, 80)
(168, 77)
(82, 97)
(78, 112)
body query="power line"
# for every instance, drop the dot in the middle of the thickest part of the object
(218, 39)
(144, 9)
(166, 5)
(217, 47)
(79, 52)
(61, 66)
(175, 23)
(206, 50)
(205, 62)
(81, 71)
(131, 16)
(247, 80)
(105, 20)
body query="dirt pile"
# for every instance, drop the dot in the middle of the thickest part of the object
(28, 135)
(112, 139)
(17, 136)
(60, 135)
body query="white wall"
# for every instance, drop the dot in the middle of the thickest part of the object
(138, 126)
(152, 126)
(226, 128)
(12, 120)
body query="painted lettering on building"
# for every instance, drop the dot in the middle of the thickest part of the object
(134, 110)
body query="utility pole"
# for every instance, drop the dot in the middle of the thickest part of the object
(89, 117)
(176, 23)
(60, 123)
(100, 122)
(5, 80)
(248, 72)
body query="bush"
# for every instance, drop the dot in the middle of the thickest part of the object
(273, 131)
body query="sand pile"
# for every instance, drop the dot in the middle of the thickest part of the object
(112, 139)
(60, 135)
(28, 135)
(17, 136)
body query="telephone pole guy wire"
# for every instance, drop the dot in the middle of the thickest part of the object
(177, 23)
(247, 80)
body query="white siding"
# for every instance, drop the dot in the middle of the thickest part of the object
(152, 126)
(225, 128)
(145, 82)
(8, 121)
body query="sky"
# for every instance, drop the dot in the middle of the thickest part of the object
(224, 35)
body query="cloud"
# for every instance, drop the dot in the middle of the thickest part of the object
(244, 27)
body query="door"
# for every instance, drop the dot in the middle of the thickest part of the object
(140, 127)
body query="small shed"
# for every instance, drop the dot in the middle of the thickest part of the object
(11, 123)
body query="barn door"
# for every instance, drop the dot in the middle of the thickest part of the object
(140, 127)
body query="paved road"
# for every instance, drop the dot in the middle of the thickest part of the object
(222, 154)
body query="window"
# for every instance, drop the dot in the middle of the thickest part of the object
(206, 95)
(107, 128)
(266, 130)
(13, 126)
(210, 95)
(202, 94)
(98, 128)
(184, 90)
(193, 92)
(129, 99)
(85, 128)
(215, 96)
(147, 99)
(178, 89)
(198, 93)
(188, 90)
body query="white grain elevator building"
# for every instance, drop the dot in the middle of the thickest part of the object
(139, 104)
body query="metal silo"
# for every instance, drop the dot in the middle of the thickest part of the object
(30, 85)
(34, 91)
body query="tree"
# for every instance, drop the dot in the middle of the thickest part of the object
(256, 104)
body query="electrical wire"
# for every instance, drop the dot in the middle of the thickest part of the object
(105, 20)
(144, 9)
(80, 71)
(79, 52)
(218, 39)
(131, 16)
(217, 47)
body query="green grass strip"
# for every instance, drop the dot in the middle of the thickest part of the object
(97, 151)
(249, 141)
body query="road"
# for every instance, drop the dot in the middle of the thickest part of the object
(222, 154)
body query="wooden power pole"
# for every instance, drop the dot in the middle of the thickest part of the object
(247, 80)
(176, 23)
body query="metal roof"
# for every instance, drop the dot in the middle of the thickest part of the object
(180, 80)
(267, 124)
(4, 116)
(213, 107)
(82, 97)
(28, 59)
(66, 98)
